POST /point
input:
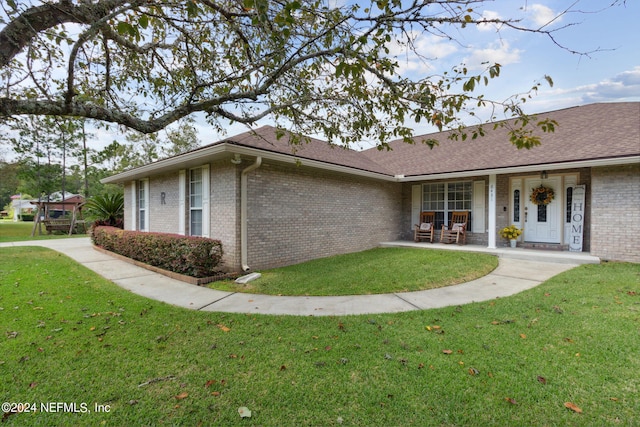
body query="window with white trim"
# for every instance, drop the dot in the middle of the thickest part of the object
(143, 217)
(445, 198)
(195, 202)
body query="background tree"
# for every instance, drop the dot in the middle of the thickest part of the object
(181, 139)
(47, 146)
(312, 66)
(9, 182)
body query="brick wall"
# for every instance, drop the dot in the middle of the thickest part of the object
(297, 214)
(128, 224)
(163, 212)
(615, 213)
(225, 210)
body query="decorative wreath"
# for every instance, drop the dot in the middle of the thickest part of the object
(541, 195)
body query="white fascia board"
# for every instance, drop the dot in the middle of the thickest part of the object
(525, 169)
(292, 159)
(181, 161)
(207, 154)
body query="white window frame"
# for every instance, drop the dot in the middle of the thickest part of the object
(195, 200)
(143, 205)
(442, 205)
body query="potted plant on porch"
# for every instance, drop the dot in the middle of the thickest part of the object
(511, 232)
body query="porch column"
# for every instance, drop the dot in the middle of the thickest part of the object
(491, 232)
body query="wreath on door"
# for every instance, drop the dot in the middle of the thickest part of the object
(541, 195)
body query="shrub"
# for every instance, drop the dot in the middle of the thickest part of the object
(192, 256)
(107, 209)
(27, 217)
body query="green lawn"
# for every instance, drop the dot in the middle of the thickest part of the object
(70, 336)
(375, 271)
(11, 231)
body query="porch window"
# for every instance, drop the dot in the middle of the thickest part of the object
(195, 202)
(444, 198)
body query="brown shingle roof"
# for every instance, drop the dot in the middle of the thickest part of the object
(265, 138)
(590, 132)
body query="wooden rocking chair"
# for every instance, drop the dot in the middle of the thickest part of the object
(457, 229)
(424, 230)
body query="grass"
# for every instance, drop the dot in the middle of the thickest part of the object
(11, 231)
(70, 336)
(375, 271)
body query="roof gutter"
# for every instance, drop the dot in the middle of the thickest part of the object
(243, 213)
(522, 169)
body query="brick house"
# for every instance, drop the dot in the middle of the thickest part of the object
(273, 204)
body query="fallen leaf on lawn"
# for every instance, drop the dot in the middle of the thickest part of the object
(511, 400)
(210, 383)
(215, 393)
(542, 380)
(447, 351)
(573, 407)
(283, 368)
(244, 412)
(523, 336)
(473, 371)
(182, 395)
(568, 340)
(223, 328)
(33, 385)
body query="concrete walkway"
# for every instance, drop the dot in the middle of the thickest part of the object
(516, 273)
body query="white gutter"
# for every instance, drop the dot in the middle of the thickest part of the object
(523, 169)
(243, 213)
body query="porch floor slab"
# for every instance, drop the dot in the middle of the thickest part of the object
(541, 255)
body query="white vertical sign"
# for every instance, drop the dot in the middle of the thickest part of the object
(577, 218)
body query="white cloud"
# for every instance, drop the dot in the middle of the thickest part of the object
(542, 15)
(622, 87)
(490, 15)
(497, 52)
(423, 49)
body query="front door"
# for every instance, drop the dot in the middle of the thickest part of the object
(542, 223)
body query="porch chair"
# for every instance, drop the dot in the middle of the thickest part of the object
(424, 230)
(457, 229)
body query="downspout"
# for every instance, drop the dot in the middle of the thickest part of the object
(243, 213)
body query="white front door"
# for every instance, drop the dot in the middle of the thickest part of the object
(542, 223)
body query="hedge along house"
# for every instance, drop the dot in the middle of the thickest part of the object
(273, 204)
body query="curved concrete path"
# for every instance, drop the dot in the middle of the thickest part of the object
(512, 276)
